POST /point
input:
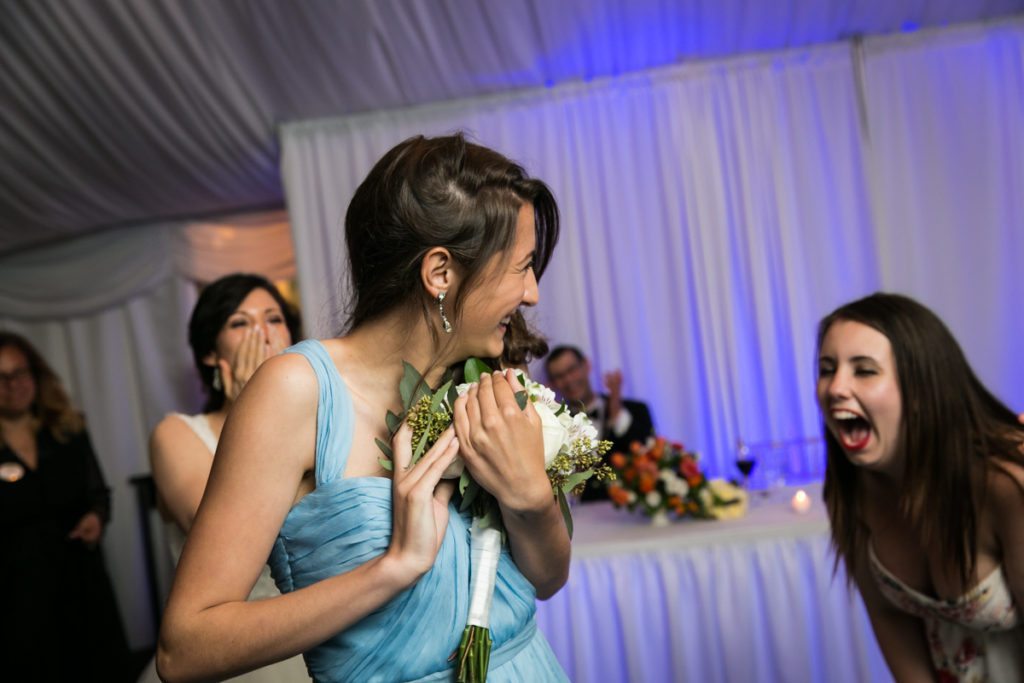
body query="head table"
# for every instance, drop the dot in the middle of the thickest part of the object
(751, 599)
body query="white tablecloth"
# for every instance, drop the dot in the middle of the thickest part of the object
(751, 599)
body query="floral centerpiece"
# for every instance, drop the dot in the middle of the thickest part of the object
(661, 478)
(572, 454)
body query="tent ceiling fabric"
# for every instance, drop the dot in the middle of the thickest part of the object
(134, 111)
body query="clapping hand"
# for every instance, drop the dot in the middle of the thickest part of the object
(613, 383)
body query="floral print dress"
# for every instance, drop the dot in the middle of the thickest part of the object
(979, 637)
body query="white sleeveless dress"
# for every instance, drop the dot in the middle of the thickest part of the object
(291, 670)
(978, 638)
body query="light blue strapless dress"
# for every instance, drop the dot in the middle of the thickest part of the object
(345, 522)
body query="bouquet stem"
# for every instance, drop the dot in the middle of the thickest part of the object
(475, 647)
(474, 655)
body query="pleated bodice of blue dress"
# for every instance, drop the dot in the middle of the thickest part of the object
(344, 522)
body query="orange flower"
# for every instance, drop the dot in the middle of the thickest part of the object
(618, 495)
(617, 460)
(629, 475)
(695, 480)
(635, 448)
(675, 502)
(692, 506)
(647, 483)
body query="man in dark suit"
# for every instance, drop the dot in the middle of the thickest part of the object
(621, 421)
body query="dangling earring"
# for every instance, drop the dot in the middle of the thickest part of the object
(440, 308)
(217, 386)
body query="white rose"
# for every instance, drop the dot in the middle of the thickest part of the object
(555, 434)
(653, 499)
(631, 498)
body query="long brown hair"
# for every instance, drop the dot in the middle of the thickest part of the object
(52, 408)
(951, 427)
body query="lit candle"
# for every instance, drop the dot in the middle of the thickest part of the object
(801, 502)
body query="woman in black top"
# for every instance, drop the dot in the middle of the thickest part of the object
(60, 619)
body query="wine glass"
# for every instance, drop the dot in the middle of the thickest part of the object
(745, 462)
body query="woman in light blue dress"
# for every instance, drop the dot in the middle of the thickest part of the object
(446, 240)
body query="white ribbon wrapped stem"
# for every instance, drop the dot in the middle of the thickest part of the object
(485, 550)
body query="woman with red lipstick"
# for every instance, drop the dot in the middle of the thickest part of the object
(925, 491)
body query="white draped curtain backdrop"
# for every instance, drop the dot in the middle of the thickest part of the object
(713, 213)
(109, 312)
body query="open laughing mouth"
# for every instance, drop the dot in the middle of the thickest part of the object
(852, 430)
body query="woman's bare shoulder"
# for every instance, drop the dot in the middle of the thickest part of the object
(287, 376)
(173, 433)
(1005, 482)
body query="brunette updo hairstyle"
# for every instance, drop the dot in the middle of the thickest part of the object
(437, 192)
(216, 303)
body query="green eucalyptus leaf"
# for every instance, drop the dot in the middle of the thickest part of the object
(521, 399)
(453, 394)
(474, 368)
(439, 396)
(422, 389)
(464, 481)
(563, 505)
(561, 409)
(420, 447)
(411, 379)
(575, 479)
(385, 448)
(393, 422)
(386, 464)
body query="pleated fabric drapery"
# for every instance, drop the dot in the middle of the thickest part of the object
(715, 212)
(109, 312)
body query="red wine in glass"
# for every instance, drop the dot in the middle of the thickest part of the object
(744, 461)
(746, 466)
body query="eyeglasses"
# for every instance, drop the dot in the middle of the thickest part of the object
(14, 376)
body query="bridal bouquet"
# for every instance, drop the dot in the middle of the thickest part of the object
(572, 454)
(661, 477)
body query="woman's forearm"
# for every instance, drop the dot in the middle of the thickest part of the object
(221, 641)
(540, 546)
